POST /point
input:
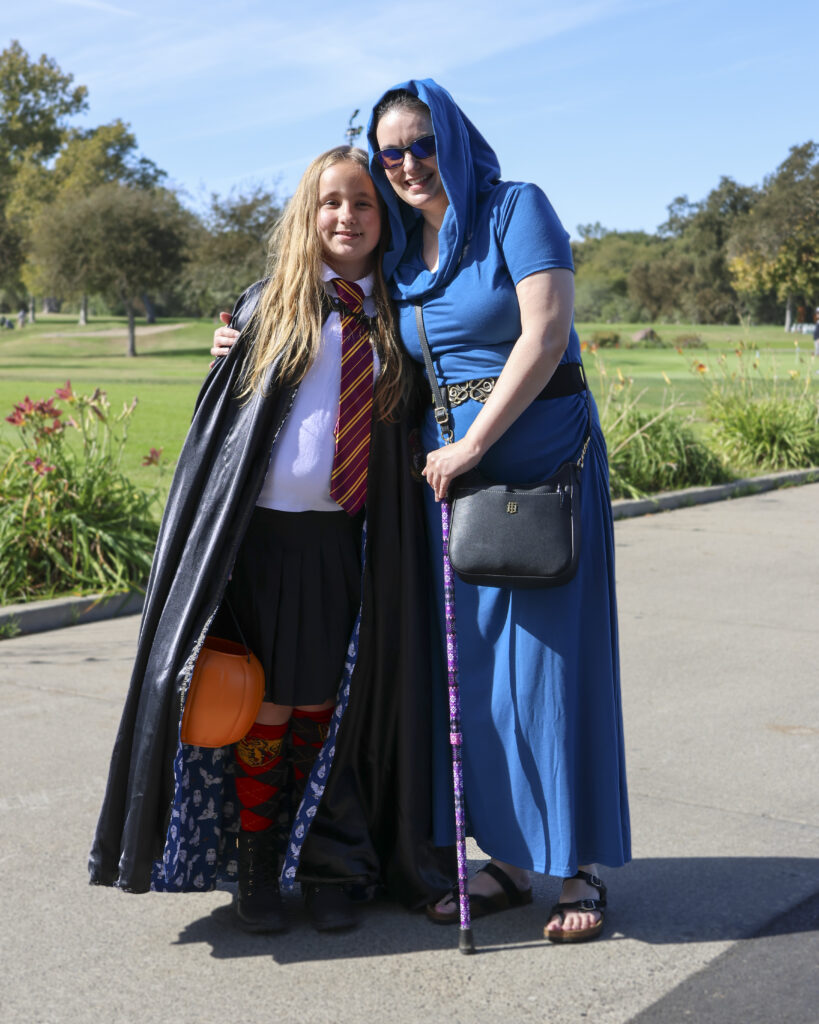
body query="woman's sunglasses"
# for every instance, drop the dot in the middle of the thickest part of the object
(421, 149)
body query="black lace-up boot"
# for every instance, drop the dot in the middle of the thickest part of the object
(259, 906)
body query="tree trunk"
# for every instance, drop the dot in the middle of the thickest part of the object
(32, 317)
(788, 312)
(131, 330)
(83, 321)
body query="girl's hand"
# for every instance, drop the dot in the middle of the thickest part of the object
(444, 464)
(223, 337)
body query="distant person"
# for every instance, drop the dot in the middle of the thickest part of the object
(21, 318)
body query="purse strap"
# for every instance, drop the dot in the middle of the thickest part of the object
(442, 413)
(442, 416)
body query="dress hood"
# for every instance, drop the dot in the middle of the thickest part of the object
(468, 167)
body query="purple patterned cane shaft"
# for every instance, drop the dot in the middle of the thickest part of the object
(455, 720)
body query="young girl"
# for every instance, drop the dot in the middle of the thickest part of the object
(296, 433)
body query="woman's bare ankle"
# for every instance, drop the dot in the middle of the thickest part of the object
(520, 876)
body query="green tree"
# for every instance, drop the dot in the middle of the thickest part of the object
(86, 160)
(658, 284)
(229, 248)
(116, 240)
(775, 246)
(604, 261)
(36, 100)
(699, 233)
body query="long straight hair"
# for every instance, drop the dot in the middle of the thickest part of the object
(291, 310)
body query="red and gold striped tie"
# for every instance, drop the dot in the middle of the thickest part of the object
(348, 481)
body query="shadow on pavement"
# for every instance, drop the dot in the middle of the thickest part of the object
(772, 976)
(656, 901)
(707, 899)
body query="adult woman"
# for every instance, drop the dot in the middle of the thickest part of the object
(543, 750)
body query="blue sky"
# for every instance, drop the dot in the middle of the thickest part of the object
(614, 107)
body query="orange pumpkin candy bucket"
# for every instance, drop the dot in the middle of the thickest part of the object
(224, 696)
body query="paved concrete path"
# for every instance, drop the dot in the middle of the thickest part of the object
(715, 919)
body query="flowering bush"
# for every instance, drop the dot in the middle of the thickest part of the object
(650, 451)
(762, 421)
(70, 519)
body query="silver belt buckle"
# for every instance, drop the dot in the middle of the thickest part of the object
(478, 390)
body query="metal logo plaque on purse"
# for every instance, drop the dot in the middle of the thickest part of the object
(509, 535)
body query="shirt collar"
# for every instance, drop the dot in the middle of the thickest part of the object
(364, 283)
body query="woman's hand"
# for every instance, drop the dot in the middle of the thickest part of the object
(223, 337)
(444, 464)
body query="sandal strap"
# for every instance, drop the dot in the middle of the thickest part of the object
(597, 883)
(590, 906)
(503, 880)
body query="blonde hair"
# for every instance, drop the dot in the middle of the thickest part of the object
(289, 317)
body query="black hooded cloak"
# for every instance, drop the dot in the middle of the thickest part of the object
(372, 824)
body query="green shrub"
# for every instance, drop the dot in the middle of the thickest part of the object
(689, 341)
(762, 422)
(647, 339)
(605, 339)
(769, 433)
(10, 628)
(70, 520)
(658, 452)
(650, 452)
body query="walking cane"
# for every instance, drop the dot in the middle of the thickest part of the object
(442, 418)
(465, 942)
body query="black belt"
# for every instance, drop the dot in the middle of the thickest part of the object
(568, 379)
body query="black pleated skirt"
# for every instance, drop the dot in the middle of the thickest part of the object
(295, 591)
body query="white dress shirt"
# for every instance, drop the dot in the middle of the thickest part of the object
(298, 477)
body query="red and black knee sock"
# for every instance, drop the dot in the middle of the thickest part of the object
(308, 732)
(261, 774)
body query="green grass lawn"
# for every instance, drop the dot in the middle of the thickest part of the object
(171, 363)
(778, 354)
(165, 377)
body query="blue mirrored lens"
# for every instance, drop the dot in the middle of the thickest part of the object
(421, 149)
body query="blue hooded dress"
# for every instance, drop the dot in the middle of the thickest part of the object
(544, 766)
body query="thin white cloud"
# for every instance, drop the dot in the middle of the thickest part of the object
(323, 67)
(98, 5)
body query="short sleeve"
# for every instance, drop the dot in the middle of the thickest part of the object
(530, 234)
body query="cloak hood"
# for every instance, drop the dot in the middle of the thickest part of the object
(468, 167)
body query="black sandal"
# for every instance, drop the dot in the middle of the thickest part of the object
(590, 905)
(508, 898)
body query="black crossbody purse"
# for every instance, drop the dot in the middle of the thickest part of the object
(510, 535)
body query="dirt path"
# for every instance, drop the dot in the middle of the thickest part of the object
(116, 332)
